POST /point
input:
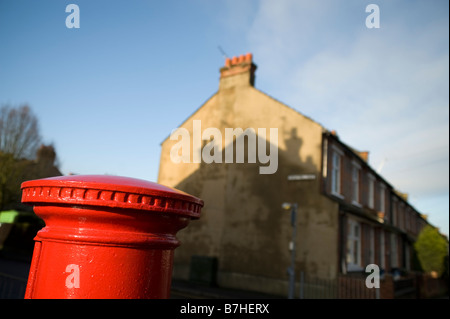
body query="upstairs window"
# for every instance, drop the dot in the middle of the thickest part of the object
(382, 204)
(336, 173)
(408, 219)
(401, 216)
(355, 183)
(394, 211)
(371, 192)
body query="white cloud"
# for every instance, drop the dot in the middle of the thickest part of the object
(384, 90)
(282, 32)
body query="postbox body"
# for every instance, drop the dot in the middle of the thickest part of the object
(93, 272)
(105, 236)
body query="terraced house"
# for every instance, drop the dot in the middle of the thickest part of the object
(376, 222)
(348, 215)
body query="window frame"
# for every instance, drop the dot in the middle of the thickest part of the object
(356, 180)
(394, 251)
(371, 192)
(371, 245)
(382, 198)
(382, 249)
(354, 256)
(401, 215)
(394, 209)
(336, 172)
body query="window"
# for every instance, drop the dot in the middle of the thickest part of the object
(408, 219)
(401, 216)
(353, 245)
(413, 222)
(371, 195)
(407, 257)
(371, 246)
(394, 251)
(382, 198)
(394, 211)
(382, 250)
(368, 244)
(336, 174)
(355, 183)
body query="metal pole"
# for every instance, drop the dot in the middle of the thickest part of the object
(291, 269)
(302, 285)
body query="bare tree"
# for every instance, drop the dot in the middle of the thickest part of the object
(19, 132)
(19, 140)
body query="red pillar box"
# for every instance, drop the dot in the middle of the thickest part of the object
(105, 236)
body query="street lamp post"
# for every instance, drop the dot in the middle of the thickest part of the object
(291, 269)
(293, 207)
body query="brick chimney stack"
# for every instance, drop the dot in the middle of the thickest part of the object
(238, 71)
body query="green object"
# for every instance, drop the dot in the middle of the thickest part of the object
(431, 248)
(8, 216)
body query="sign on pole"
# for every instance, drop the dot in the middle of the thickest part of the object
(301, 177)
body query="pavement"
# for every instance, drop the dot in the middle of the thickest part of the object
(15, 268)
(18, 270)
(189, 290)
(13, 278)
(180, 289)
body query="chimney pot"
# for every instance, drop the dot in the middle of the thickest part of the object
(236, 65)
(248, 57)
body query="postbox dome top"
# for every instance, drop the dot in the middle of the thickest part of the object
(110, 191)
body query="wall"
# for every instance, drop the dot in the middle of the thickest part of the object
(242, 223)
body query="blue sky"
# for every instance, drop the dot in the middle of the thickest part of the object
(107, 94)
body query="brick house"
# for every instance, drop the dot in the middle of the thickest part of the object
(377, 224)
(349, 216)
